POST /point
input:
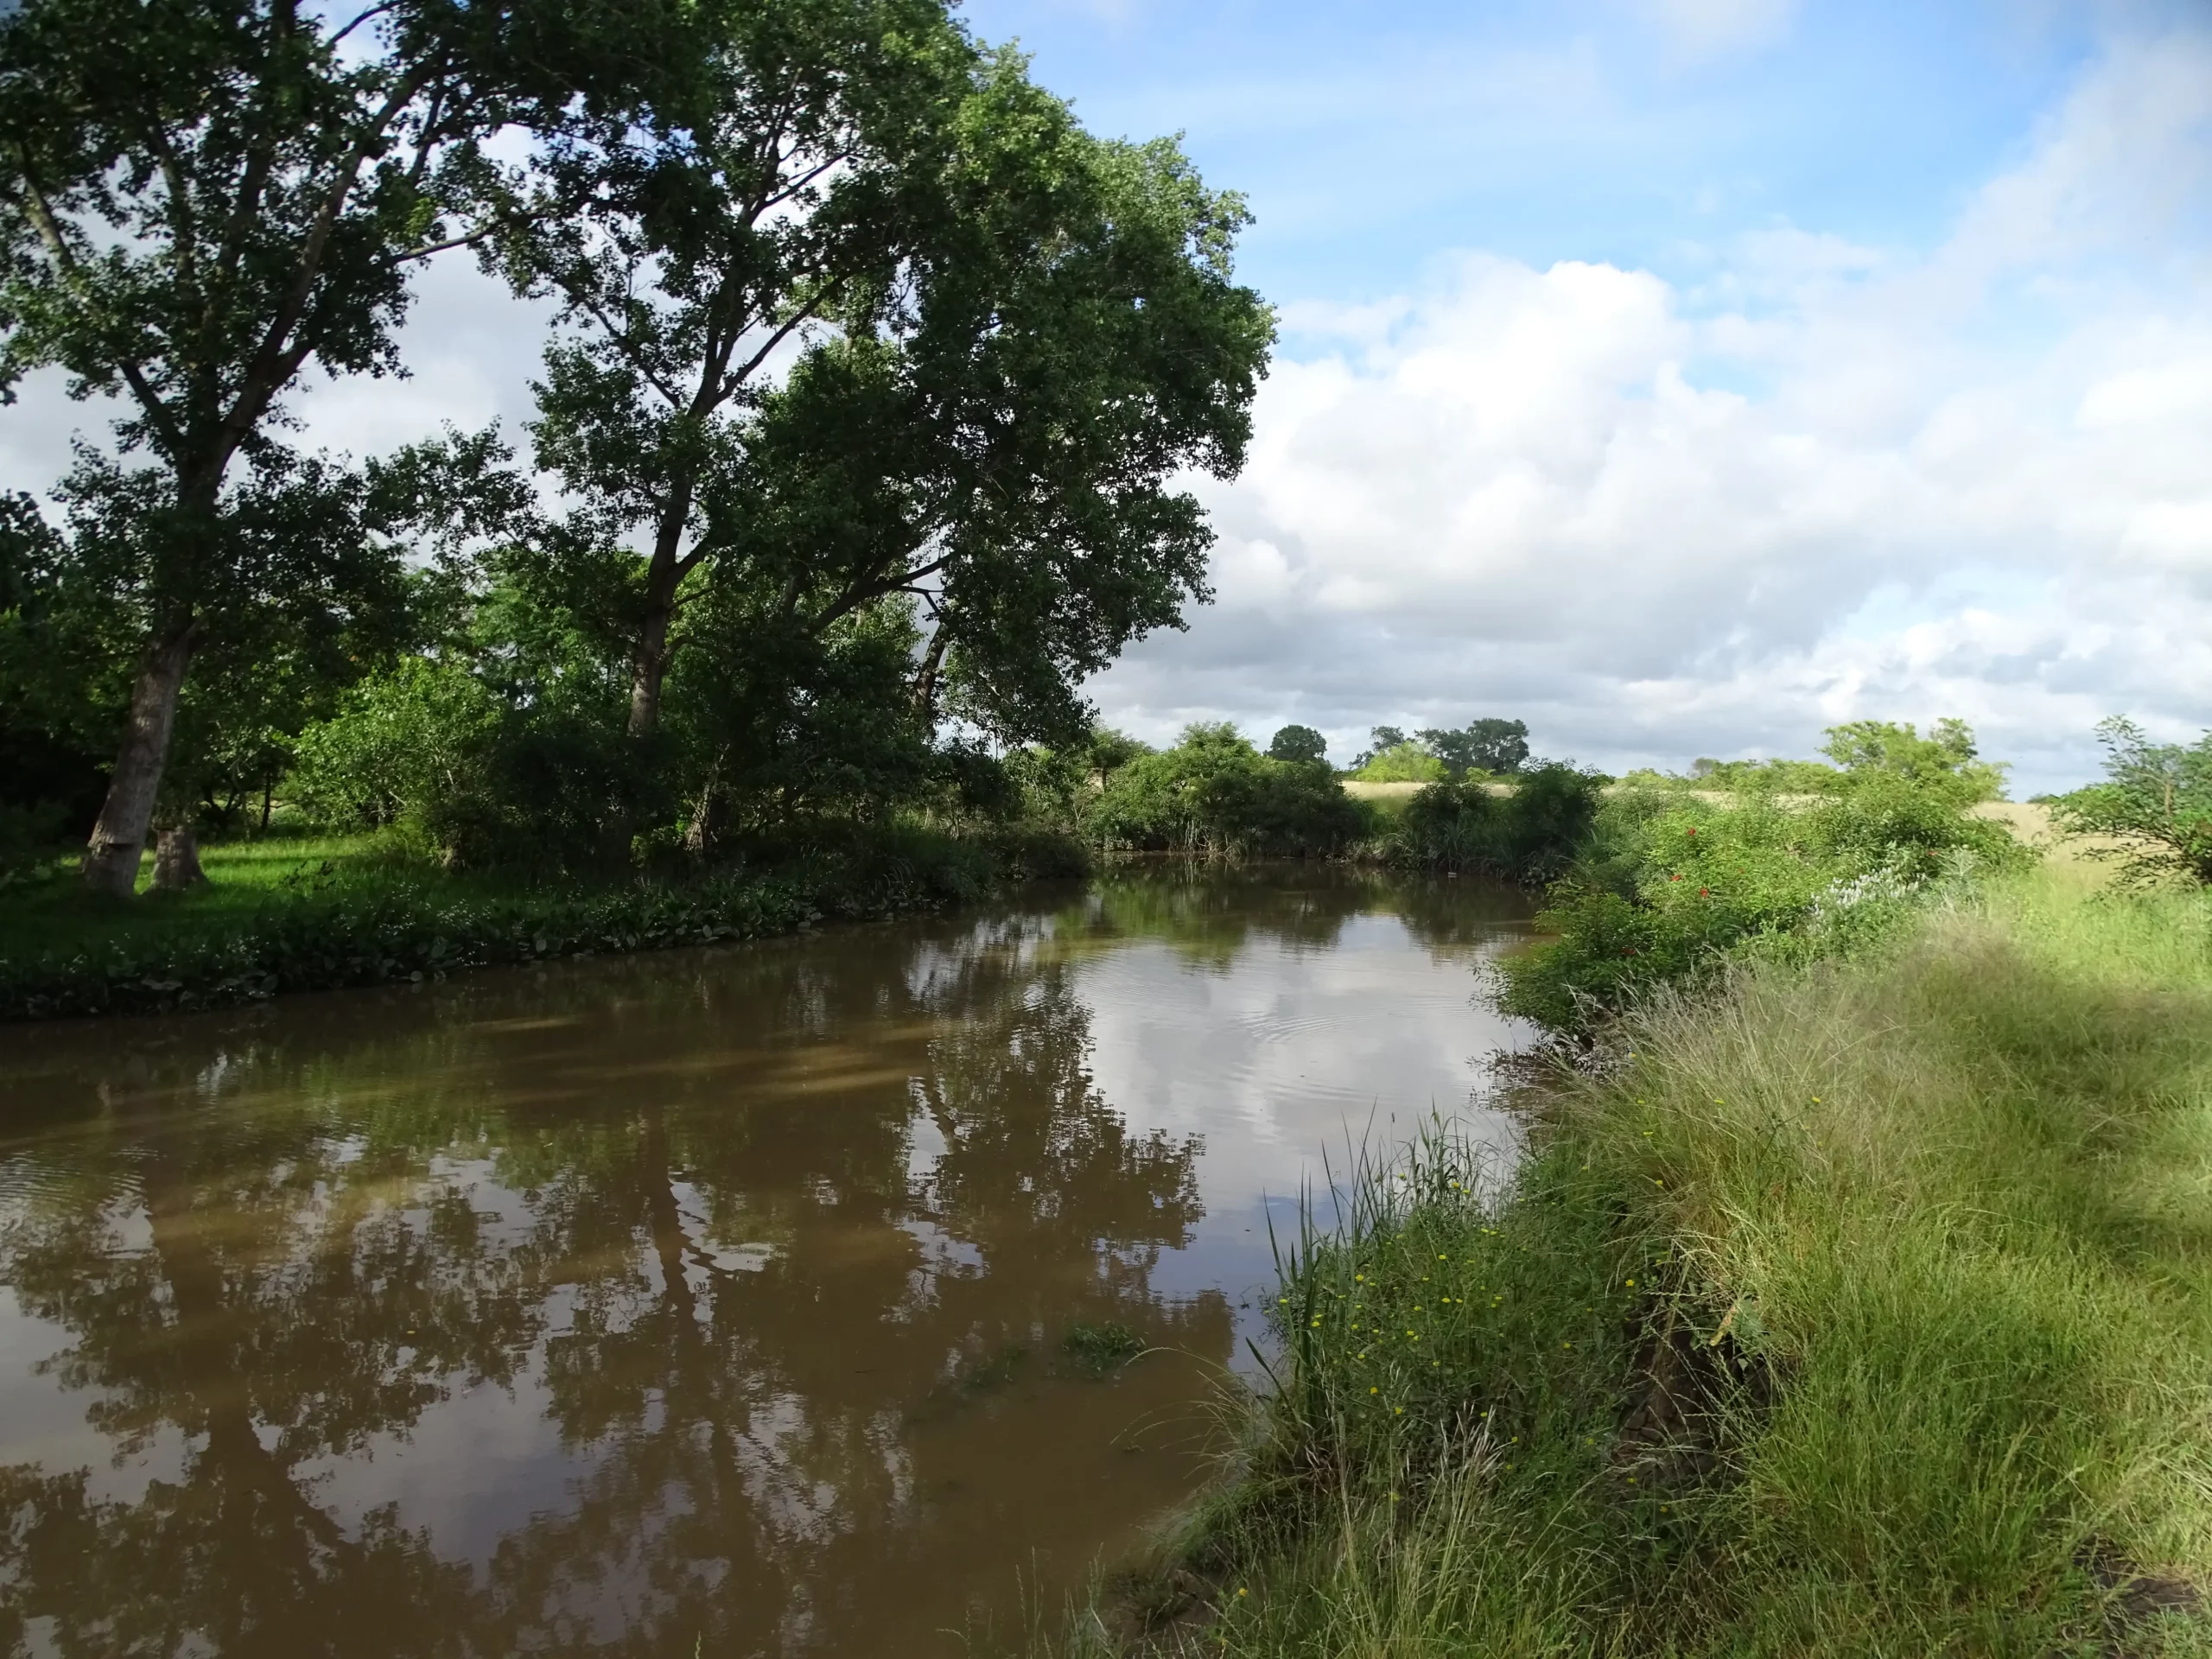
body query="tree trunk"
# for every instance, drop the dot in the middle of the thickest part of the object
(649, 667)
(119, 836)
(176, 860)
(926, 676)
(665, 574)
(705, 827)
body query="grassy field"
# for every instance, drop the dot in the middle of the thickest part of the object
(1865, 1309)
(245, 878)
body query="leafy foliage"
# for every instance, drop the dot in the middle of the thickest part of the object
(1669, 886)
(1498, 746)
(1946, 759)
(2155, 799)
(1403, 762)
(1214, 793)
(1530, 833)
(1297, 743)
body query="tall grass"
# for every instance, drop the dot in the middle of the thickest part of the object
(1860, 1309)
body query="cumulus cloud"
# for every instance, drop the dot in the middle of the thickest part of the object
(1824, 482)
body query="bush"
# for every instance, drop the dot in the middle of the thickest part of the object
(426, 748)
(1668, 886)
(29, 838)
(404, 746)
(1409, 762)
(1214, 793)
(2155, 798)
(1531, 834)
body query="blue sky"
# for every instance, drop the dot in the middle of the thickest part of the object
(1686, 375)
(1369, 138)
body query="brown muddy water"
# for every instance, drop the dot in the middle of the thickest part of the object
(711, 1303)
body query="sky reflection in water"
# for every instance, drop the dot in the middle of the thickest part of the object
(711, 1299)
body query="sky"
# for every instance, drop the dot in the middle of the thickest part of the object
(1681, 377)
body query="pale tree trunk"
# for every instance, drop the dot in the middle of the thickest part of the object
(176, 860)
(926, 676)
(118, 838)
(700, 835)
(648, 668)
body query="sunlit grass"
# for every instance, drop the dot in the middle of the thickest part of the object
(1919, 1248)
(245, 877)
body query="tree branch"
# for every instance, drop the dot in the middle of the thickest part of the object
(861, 593)
(373, 11)
(805, 312)
(49, 231)
(468, 240)
(620, 338)
(259, 387)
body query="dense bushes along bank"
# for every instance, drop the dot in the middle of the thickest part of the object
(386, 927)
(1850, 1310)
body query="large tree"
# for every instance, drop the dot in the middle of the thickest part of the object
(771, 193)
(1004, 452)
(202, 198)
(1006, 336)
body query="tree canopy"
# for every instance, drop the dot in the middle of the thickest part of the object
(1297, 743)
(872, 386)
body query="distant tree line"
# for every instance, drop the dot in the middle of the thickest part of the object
(858, 426)
(1490, 747)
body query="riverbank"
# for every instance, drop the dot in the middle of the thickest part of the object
(283, 914)
(1857, 1307)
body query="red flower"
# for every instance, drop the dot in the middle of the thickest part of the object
(1702, 892)
(1674, 878)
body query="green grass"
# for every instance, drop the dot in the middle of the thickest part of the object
(245, 878)
(1858, 1309)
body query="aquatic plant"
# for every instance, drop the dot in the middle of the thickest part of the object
(1102, 1348)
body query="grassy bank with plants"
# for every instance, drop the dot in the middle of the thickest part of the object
(1849, 1298)
(292, 913)
(1856, 1308)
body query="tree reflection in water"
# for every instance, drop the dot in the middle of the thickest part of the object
(681, 1204)
(756, 1264)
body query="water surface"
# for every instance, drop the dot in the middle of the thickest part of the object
(710, 1302)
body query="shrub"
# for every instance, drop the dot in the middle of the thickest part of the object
(2155, 798)
(1215, 793)
(29, 836)
(1409, 762)
(1531, 834)
(1668, 886)
(404, 746)
(425, 746)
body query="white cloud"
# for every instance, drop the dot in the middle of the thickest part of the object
(1830, 481)
(1706, 28)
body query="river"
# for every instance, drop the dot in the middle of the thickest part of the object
(714, 1302)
